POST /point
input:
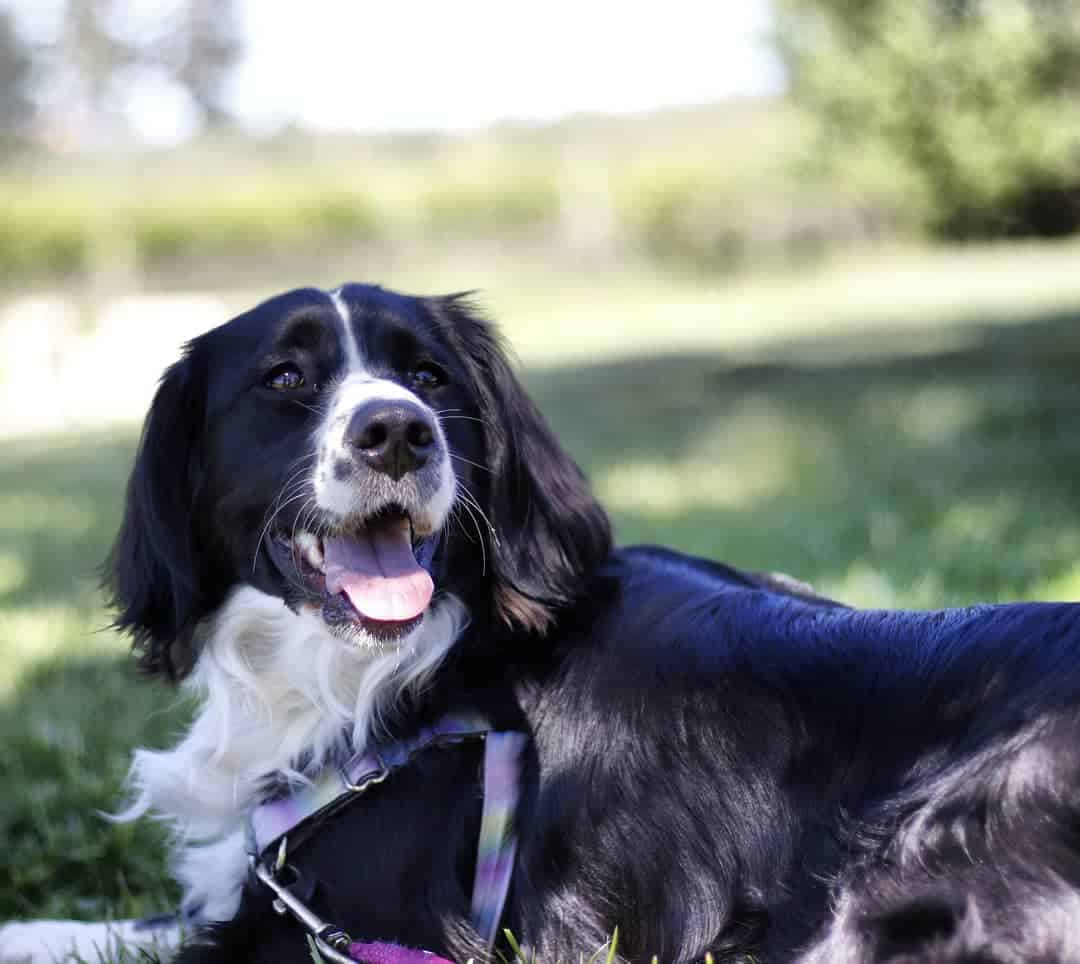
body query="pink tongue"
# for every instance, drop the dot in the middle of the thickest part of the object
(377, 571)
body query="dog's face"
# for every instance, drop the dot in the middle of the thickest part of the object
(341, 435)
(357, 453)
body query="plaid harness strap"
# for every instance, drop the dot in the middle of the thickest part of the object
(279, 826)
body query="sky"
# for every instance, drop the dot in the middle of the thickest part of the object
(393, 65)
(438, 64)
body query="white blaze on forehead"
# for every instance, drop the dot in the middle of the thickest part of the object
(359, 387)
(353, 361)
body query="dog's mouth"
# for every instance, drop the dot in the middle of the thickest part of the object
(370, 574)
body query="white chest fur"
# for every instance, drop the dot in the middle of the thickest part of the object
(275, 687)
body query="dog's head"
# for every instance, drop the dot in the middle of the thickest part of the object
(357, 453)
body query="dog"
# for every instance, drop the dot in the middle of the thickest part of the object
(347, 520)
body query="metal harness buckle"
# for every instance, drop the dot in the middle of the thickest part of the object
(375, 778)
(332, 942)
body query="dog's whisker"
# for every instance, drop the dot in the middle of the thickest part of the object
(269, 523)
(462, 418)
(311, 408)
(461, 458)
(299, 467)
(455, 516)
(303, 516)
(296, 474)
(295, 554)
(464, 501)
(470, 499)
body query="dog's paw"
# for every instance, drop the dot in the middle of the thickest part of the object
(62, 941)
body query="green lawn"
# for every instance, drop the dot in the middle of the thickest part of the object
(913, 448)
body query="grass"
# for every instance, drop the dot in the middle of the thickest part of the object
(70, 710)
(913, 443)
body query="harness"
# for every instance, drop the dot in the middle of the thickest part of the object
(281, 825)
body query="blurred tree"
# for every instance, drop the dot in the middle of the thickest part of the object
(91, 54)
(105, 49)
(16, 63)
(968, 109)
(201, 50)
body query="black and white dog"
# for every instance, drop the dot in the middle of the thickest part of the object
(346, 519)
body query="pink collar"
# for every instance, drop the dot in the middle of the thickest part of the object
(381, 953)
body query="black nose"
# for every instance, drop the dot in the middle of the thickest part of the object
(393, 437)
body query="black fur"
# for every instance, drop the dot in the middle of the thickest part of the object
(719, 761)
(553, 532)
(157, 577)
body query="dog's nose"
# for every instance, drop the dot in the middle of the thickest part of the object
(393, 437)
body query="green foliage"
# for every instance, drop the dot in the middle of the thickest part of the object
(65, 228)
(970, 107)
(698, 215)
(249, 217)
(712, 189)
(509, 202)
(44, 234)
(69, 723)
(69, 731)
(685, 214)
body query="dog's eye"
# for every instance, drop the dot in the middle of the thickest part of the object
(428, 375)
(285, 378)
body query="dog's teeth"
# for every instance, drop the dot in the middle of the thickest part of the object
(309, 545)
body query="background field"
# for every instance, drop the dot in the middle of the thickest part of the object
(898, 430)
(797, 328)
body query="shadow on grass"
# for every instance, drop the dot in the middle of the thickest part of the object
(894, 468)
(898, 467)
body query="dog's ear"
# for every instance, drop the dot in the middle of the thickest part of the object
(153, 571)
(550, 532)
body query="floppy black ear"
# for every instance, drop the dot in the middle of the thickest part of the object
(550, 531)
(153, 571)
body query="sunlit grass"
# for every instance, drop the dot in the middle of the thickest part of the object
(894, 436)
(42, 630)
(557, 310)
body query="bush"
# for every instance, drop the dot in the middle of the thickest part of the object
(249, 218)
(63, 231)
(504, 203)
(973, 106)
(44, 234)
(711, 189)
(700, 217)
(682, 214)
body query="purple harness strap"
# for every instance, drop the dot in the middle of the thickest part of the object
(497, 846)
(381, 953)
(336, 786)
(298, 814)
